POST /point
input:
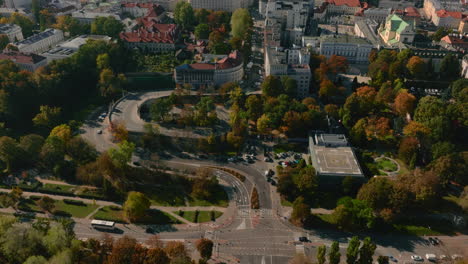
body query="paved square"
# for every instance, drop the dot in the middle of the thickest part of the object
(338, 160)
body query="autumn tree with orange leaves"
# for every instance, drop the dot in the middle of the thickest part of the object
(404, 103)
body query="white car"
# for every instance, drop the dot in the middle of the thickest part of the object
(416, 258)
(456, 257)
(443, 257)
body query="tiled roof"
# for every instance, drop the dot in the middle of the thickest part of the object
(154, 10)
(445, 13)
(232, 60)
(202, 66)
(412, 12)
(456, 41)
(350, 3)
(23, 58)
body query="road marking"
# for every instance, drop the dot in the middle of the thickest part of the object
(300, 249)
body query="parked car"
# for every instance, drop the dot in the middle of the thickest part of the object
(456, 257)
(417, 258)
(431, 257)
(444, 257)
(99, 131)
(303, 239)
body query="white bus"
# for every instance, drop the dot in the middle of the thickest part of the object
(100, 224)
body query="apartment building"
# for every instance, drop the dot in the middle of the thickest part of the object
(40, 42)
(12, 31)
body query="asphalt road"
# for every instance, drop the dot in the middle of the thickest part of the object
(252, 236)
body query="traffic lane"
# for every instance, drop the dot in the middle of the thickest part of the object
(259, 181)
(240, 191)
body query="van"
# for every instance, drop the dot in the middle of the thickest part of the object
(431, 257)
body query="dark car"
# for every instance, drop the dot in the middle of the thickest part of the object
(149, 230)
(303, 239)
(136, 163)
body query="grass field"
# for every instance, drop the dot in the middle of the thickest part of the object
(220, 198)
(386, 165)
(115, 214)
(59, 187)
(80, 211)
(203, 216)
(110, 213)
(173, 196)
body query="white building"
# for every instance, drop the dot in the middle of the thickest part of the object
(276, 64)
(7, 12)
(12, 31)
(224, 5)
(25, 61)
(448, 19)
(378, 14)
(354, 49)
(68, 48)
(297, 55)
(144, 9)
(18, 4)
(88, 17)
(40, 42)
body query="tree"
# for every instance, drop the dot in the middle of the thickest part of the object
(337, 64)
(449, 67)
(136, 206)
(46, 203)
(383, 260)
(408, 149)
(264, 124)
(254, 200)
(376, 193)
(327, 89)
(352, 214)
(321, 254)
(31, 144)
(272, 86)
(35, 8)
(36, 260)
(334, 255)
(176, 249)
(10, 153)
(4, 40)
(301, 212)
(332, 110)
(290, 86)
(254, 107)
(202, 31)
(56, 240)
(204, 185)
(24, 22)
(404, 103)
(119, 131)
(416, 129)
(204, 247)
(417, 67)
(64, 257)
(184, 15)
(48, 116)
(156, 255)
(110, 84)
(241, 22)
(122, 155)
(81, 151)
(63, 132)
(108, 26)
(160, 109)
(366, 252)
(352, 252)
(72, 25)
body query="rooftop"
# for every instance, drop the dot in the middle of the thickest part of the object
(350, 3)
(4, 28)
(77, 42)
(445, 13)
(39, 36)
(344, 39)
(22, 58)
(157, 33)
(334, 158)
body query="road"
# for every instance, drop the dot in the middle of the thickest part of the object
(250, 236)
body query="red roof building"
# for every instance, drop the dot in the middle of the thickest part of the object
(457, 43)
(350, 3)
(25, 61)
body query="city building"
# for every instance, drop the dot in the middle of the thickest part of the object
(367, 28)
(277, 64)
(203, 74)
(224, 5)
(377, 14)
(435, 56)
(12, 31)
(25, 61)
(396, 30)
(7, 12)
(155, 11)
(70, 47)
(87, 17)
(354, 49)
(455, 42)
(40, 42)
(333, 159)
(18, 4)
(343, 7)
(448, 19)
(412, 14)
(151, 36)
(464, 72)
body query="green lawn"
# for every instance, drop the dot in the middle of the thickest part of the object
(386, 165)
(80, 211)
(203, 216)
(110, 213)
(288, 147)
(60, 187)
(166, 196)
(403, 168)
(417, 230)
(220, 198)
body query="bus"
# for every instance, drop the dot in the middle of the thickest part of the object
(105, 225)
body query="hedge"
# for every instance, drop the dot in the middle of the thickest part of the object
(74, 202)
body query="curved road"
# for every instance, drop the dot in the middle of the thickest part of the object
(254, 236)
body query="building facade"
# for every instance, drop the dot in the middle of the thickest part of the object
(377, 14)
(448, 19)
(25, 61)
(228, 69)
(343, 7)
(396, 30)
(12, 31)
(224, 5)
(354, 49)
(152, 37)
(88, 17)
(41, 42)
(136, 10)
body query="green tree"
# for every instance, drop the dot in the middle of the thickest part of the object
(160, 109)
(135, 206)
(351, 214)
(63, 132)
(64, 257)
(4, 40)
(241, 22)
(110, 84)
(48, 116)
(290, 86)
(440, 149)
(417, 67)
(264, 124)
(254, 107)
(383, 260)
(184, 15)
(301, 212)
(334, 255)
(202, 31)
(366, 252)
(122, 155)
(272, 86)
(321, 254)
(46, 203)
(35, 8)
(36, 260)
(449, 67)
(107, 26)
(376, 192)
(10, 153)
(56, 239)
(103, 61)
(352, 252)
(24, 22)
(32, 144)
(205, 248)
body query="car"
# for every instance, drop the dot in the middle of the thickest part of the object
(231, 159)
(444, 257)
(431, 257)
(202, 156)
(136, 163)
(433, 241)
(456, 257)
(392, 258)
(149, 230)
(99, 131)
(437, 240)
(416, 258)
(303, 239)
(273, 182)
